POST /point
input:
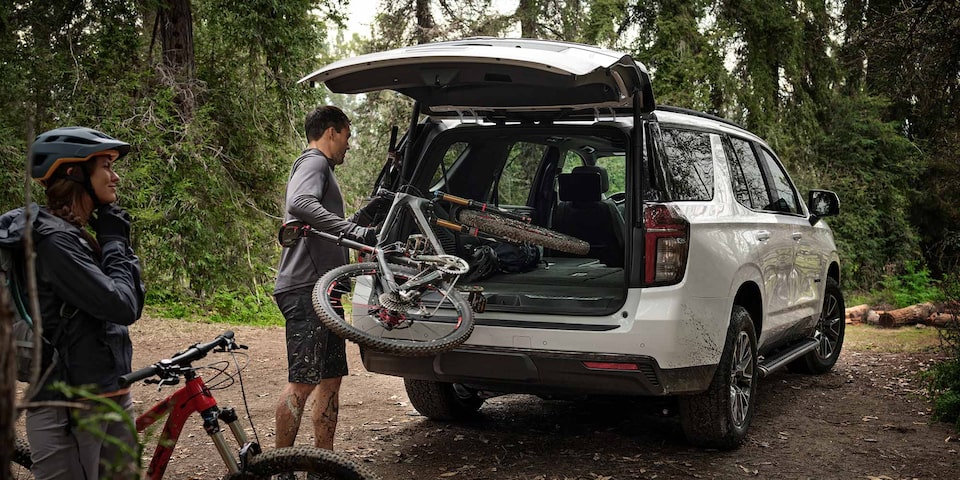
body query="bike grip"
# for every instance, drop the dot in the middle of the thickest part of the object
(134, 377)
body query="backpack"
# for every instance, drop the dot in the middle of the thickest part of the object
(22, 332)
(517, 257)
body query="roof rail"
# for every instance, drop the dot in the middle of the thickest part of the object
(695, 113)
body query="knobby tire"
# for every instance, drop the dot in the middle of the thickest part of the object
(21, 457)
(306, 460)
(426, 336)
(520, 232)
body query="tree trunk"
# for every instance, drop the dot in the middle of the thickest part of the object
(911, 315)
(425, 23)
(527, 14)
(858, 313)
(8, 386)
(175, 22)
(944, 320)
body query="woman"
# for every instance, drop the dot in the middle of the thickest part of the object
(89, 290)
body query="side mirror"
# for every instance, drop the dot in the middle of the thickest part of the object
(822, 203)
(290, 232)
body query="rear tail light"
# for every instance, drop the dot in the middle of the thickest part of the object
(665, 245)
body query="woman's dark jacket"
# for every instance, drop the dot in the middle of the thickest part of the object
(86, 300)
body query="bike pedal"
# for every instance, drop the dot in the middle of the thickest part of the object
(478, 303)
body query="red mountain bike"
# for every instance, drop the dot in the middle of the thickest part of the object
(249, 462)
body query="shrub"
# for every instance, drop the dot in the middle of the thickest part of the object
(914, 285)
(944, 378)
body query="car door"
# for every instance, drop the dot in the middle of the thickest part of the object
(773, 249)
(803, 281)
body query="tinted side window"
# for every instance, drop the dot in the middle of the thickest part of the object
(449, 158)
(689, 164)
(748, 183)
(514, 184)
(784, 196)
(570, 161)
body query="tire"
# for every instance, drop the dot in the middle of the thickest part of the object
(301, 462)
(21, 453)
(421, 335)
(829, 334)
(442, 401)
(21, 460)
(520, 232)
(720, 417)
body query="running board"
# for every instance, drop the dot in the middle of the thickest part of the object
(771, 365)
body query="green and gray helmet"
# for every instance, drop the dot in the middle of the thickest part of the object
(70, 145)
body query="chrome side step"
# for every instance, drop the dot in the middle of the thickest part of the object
(770, 365)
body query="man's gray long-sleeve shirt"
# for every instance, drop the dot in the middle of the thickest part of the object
(313, 196)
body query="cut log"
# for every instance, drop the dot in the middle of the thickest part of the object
(911, 315)
(872, 317)
(856, 314)
(943, 319)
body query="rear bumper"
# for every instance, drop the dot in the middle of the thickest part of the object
(543, 372)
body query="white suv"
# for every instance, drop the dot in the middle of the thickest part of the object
(706, 271)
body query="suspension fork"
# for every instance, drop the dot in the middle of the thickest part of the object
(193, 397)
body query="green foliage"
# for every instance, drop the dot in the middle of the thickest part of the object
(685, 59)
(204, 185)
(910, 287)
(238, 307)
(944, 378)
(872, 166)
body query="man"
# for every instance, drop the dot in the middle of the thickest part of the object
(316, 357)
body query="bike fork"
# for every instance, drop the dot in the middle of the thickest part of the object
(211, 424)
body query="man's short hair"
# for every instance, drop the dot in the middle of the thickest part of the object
(322, 118)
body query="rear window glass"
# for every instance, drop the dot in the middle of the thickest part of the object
(689, 164)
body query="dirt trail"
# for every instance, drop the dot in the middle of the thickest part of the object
(866, 419)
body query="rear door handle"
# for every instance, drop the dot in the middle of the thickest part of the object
(763, 235)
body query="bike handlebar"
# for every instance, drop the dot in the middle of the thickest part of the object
(182, 359)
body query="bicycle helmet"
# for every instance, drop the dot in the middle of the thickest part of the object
(483, 263)
(70, 145)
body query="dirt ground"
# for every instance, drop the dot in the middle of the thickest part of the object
(867, 419)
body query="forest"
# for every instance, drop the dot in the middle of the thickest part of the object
(858, 97)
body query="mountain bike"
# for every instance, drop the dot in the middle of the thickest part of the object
(195, 397)
(405, 301)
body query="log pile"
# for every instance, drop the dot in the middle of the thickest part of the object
(922, 313)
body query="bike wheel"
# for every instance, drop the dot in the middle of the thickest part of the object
(303, 462)
(518, 231)
(425, 326)
(21, 459)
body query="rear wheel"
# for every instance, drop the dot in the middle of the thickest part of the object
(719, 418)
(436, 320)
(829, 334)
(441, 400)
(520, 232)
(303, 462)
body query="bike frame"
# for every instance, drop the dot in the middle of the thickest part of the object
(417, 206)
(193, 397)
